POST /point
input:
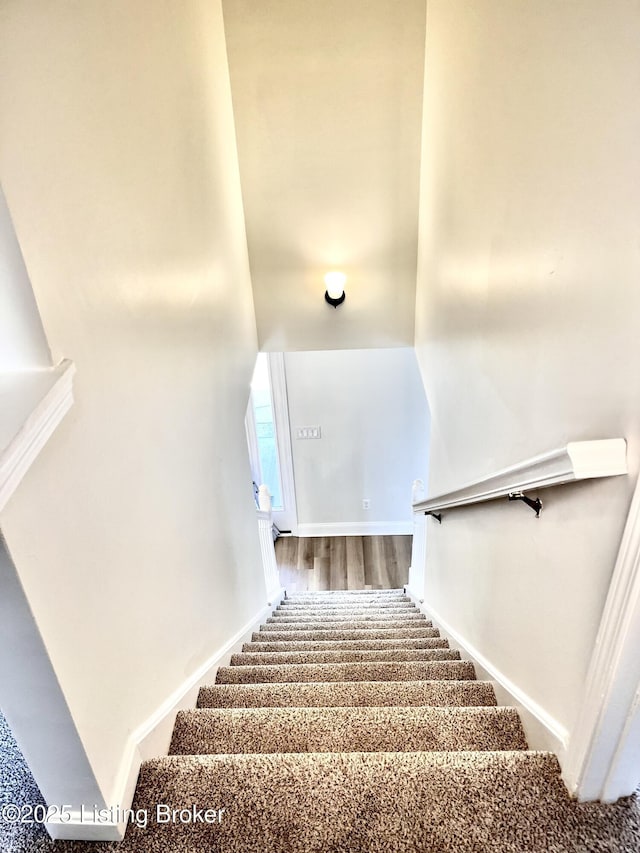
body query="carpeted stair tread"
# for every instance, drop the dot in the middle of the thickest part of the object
(348, 693)
(335, 607)
(333, 613)
(350, 604)
(378, 671)
(346, 600)
(348, 724)
(348, 618)
(342, 656)
(328, 594)
(343, 624)
(346, 632)
(468, 802)
(365, 729)
(351, 619)
(272, 634)
(342, 601)
(350, 645)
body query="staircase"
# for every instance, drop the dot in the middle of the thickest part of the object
(348, 724)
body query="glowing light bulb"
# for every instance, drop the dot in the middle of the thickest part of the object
(335, 284)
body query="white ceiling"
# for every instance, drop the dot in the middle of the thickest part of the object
(328, 102)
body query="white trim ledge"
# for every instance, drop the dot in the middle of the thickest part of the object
(37, 401)
(357, 528)
(542, 730)
(151, 740)
(577, 460)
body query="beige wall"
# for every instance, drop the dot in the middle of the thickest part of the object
(527, 314)
(134, 532)
(327, 99)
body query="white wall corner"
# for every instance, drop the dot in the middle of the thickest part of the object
(602, 759)
(267, 545)
(150, 740)
(418, 565)
(288, 518)
(542, 730)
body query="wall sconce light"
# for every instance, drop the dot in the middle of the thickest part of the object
(334, 293)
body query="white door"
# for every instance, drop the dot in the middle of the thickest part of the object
(269, 438)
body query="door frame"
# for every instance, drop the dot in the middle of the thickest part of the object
(286, 520)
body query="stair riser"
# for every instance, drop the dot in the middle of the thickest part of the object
(353, 693)
(328, 594)
(337, 615)
(459, 670)
(345, 625)
(342, 656)
(375, 604)
(330, 607)
(346, 600)
(309, 618)
(401, 729)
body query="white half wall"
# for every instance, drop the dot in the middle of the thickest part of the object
(134, 533)
(33, 702)
(372, 411)
(527, 307)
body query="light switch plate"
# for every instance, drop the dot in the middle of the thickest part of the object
(306, 432)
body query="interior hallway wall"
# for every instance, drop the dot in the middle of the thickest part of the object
(527, 315)
(374, 420)
(134, 533)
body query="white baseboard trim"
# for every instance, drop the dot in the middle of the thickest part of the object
(150, 740)
(85, 825)
(357, 528)
(542, 730)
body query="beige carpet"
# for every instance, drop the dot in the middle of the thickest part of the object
(347, 724)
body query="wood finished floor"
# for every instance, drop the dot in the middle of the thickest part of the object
(343, 562)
